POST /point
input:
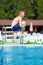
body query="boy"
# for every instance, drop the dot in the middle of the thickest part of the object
(17, 23)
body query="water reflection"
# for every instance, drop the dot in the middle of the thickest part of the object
(1, 55)
(19, 55)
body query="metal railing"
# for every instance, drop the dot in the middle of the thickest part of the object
(5, 34)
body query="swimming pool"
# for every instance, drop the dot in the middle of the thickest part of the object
(21, 55)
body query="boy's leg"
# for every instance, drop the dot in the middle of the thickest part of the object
(21, 38)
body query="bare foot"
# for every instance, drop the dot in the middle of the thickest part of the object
(19, 33)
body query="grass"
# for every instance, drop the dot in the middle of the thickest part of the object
(33, 43)
(13, 42)
(1, 42)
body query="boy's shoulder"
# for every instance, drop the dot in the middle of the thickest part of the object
(18, 17)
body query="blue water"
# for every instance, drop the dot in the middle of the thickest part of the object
(21, 55)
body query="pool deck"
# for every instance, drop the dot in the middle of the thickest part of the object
(27, 45)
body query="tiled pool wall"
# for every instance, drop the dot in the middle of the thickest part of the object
(21, 55)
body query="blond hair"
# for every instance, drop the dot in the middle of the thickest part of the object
(21, 12)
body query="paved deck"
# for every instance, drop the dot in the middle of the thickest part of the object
(27, 45)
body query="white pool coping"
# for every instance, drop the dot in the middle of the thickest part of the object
(26, 45)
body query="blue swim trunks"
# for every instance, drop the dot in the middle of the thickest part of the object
(16, 28)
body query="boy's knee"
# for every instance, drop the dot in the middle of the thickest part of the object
(23, 23)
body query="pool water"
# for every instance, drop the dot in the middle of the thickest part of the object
(21, 55)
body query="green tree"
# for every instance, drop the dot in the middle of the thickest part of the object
(40, 9)
(38, 5)
(9, 8)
